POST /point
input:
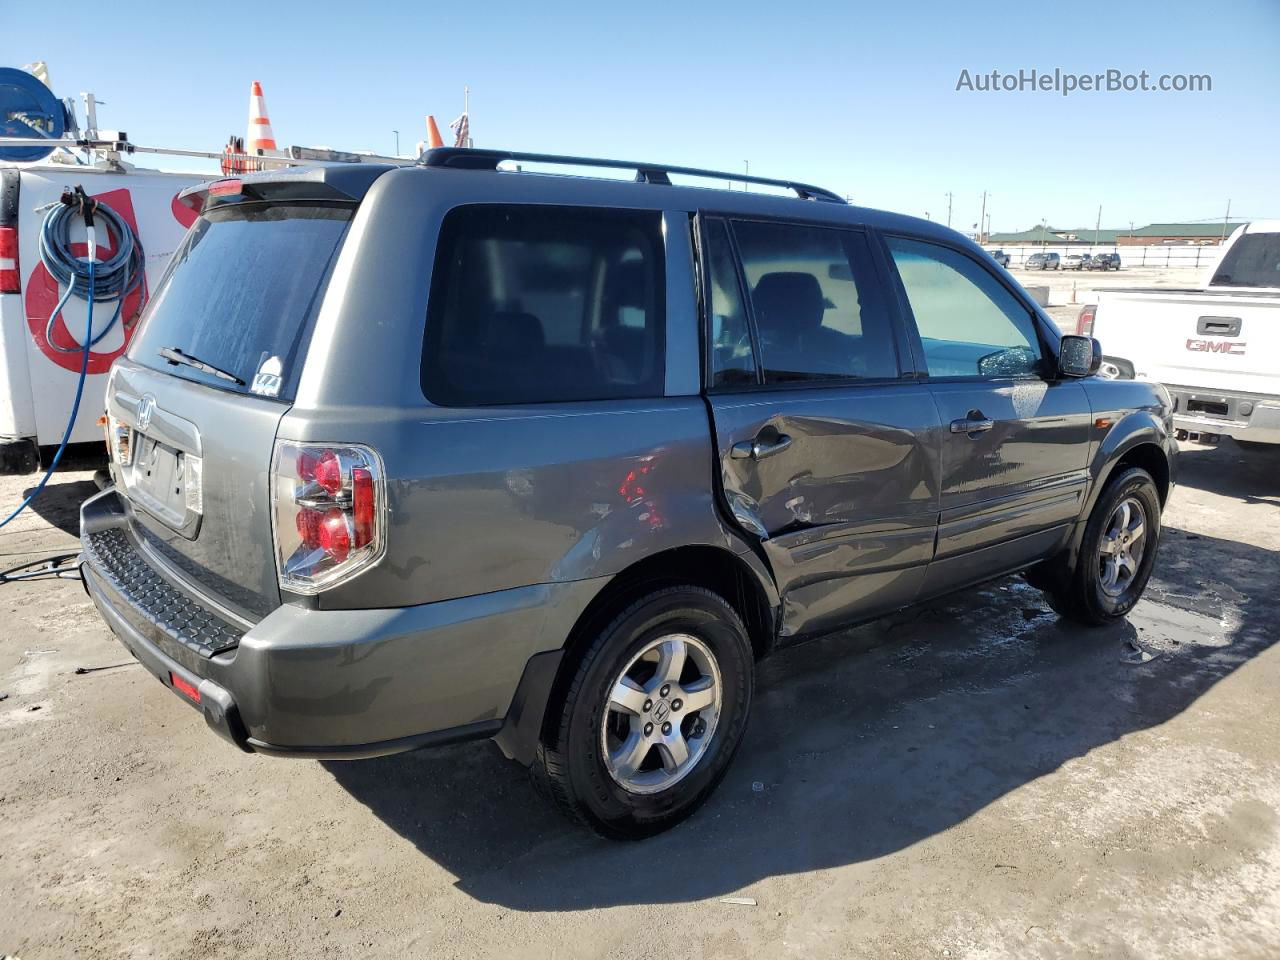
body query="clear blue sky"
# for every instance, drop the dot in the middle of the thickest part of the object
(856, 96)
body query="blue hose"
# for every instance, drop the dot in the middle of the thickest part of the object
(75, 407)
(113, 279)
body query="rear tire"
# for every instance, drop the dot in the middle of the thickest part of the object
(1107, 578)
(629, 761)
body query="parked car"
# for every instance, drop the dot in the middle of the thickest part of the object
(581, 512)
(1076, 261)
(1216, 348)
(1104, 261)
(1044, 261)
(1000, 257)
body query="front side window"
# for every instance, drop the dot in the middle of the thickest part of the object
(817, 310)
(969, 324)
(538, 304)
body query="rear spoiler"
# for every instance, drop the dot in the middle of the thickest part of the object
(343, 182)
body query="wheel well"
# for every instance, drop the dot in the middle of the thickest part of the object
(1152, 459)
(713, 568)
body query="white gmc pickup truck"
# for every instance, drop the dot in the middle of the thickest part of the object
(1217, 349)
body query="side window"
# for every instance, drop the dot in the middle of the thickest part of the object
(732, 359)
(817, 308)
(969, 324)
(545, 304)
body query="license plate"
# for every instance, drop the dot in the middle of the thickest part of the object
(156, 480)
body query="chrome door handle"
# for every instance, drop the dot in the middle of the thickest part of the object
(971, 426)
(759, 449)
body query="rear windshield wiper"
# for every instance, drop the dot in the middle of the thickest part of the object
(174, 355)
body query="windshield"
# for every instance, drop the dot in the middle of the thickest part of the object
(1252, 261)
(241, 294)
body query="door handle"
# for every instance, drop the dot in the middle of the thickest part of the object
(971, 426)
(759, 449)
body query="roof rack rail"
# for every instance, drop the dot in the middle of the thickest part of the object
(467, 158)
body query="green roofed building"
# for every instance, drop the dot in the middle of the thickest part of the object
(1202, 234)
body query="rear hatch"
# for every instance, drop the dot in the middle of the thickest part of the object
(213, 369)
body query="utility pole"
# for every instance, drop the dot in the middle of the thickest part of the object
(1096, 225)
(397, 133)
(982, 217)
(1224, 223)
(948, 208)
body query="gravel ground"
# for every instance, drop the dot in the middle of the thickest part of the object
(973, 779)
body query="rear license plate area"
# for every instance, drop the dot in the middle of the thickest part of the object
(157, 481)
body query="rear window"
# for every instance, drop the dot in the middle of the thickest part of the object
(241, 294)
(1252, 261)
(538, 304)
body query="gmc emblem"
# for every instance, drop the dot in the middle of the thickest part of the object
(1215, 346)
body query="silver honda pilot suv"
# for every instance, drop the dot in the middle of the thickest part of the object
(410, 455)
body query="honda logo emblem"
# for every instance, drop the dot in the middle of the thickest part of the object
(146, 408)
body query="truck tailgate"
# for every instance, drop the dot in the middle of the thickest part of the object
(1222, 341)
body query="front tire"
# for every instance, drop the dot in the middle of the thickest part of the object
(1116, 555)
(655, 710)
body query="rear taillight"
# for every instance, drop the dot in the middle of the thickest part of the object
(119, 441)
(1084, 322)
(330, 513)
(9, 280)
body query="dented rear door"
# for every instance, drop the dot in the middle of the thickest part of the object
(834, 468)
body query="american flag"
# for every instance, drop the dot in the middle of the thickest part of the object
(461, 130)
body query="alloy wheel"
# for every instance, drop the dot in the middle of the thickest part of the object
(1122, 546)
(662, 713)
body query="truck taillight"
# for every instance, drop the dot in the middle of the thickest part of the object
(9, 279)
(1084, 322)
(329, 506)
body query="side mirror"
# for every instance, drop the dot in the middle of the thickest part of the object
(1079, 356)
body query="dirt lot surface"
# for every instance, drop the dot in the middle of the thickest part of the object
(974, 779)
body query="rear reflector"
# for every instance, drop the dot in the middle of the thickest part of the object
(184, 688)
(9, 280)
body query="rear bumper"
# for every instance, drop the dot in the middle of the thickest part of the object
(343, 684)
(1243, 416)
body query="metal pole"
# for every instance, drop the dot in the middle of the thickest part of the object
(747, 168)
(466, 109)
(948, 208)
(1224, 223)
(1096, 225)
(982, 217)
(397, 133)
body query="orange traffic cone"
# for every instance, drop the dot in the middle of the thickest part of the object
(260, 136)
(433, 134)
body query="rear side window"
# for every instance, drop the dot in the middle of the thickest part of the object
(1252, 261)
(969, 324)
(537, 304)
(817, 308)
(242, 292)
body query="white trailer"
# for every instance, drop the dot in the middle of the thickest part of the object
(40, 363)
